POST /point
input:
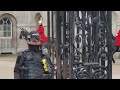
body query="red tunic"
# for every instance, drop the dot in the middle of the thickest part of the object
(117, 39)
(42, 35)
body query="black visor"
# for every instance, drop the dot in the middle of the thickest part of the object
(34, 36)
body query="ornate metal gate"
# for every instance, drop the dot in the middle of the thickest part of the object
(80, 44)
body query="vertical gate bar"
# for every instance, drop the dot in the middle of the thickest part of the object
(102, 18)
(58, 52)
(71, 13)
(83, 38)
(53, 44)
(48, 31)
(52, 41)
(90, 34)
(65, 61)
(68, 40)
(77, 28)
(88, 38)
(109, 31)
(93, 35)
(89, 46)
(96, 40)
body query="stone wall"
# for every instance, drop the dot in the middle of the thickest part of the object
(25, 19)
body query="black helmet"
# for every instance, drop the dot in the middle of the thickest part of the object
(33, 36)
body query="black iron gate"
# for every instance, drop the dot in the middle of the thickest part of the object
(80, 44)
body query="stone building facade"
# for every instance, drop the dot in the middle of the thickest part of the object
(10, 24)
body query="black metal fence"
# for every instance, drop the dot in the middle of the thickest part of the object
(80, 44)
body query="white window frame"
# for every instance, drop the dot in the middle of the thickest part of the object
(10, 30)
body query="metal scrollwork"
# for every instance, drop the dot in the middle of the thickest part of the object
(103, 55)
(81, 73)
(78, 38)
(100, 72)
(83, 44)
(77, 56)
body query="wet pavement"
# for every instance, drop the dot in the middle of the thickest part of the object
(116, 69)
(7, 63)
(7, 66)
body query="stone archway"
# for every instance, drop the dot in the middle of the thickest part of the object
(9, 45)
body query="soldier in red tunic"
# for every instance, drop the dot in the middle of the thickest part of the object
(117, 44)
(117, 40)
(44, 38)
(40, 30)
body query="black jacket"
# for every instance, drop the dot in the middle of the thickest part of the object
(18, 72)
(19, 63)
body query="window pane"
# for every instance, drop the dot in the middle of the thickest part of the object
(5, 28)
(9, 34)
(5, 22)
(4, 19)
(1, 27)
(9, 28)
(1, 34)
(8, 22)
(5, 34)
(1, 22)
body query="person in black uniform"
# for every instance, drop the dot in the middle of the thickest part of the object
(33, 63)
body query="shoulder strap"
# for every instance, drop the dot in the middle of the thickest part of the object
(42, 50)
(27, 55)
(19, 61)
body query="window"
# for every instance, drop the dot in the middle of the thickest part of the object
(5, 27)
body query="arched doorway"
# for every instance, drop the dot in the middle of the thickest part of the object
(7, 33)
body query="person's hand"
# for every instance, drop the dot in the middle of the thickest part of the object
(40, 21)
(116, 34)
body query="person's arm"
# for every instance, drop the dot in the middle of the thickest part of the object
(40, 29)
(17, 71)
